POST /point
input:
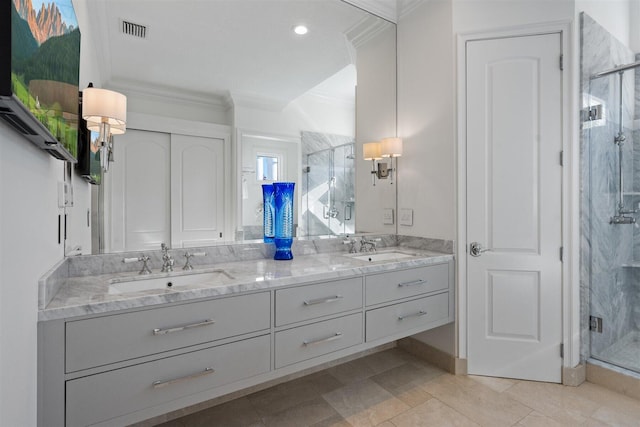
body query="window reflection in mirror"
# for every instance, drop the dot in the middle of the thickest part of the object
(267, 168)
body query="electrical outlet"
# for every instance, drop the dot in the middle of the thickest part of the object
(387, 216)
(405, 217)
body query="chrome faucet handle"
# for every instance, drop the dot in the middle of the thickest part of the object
(352, 242)
(144, 259)
(188, 256)
(368, 245)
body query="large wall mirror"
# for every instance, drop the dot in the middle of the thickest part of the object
(293, 107)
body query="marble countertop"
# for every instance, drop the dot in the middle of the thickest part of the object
(79, 296)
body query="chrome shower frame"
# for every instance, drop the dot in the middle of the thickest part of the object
(623, 214)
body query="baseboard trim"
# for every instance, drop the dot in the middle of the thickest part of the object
(575, 376)
(613, 380)
(443, 360)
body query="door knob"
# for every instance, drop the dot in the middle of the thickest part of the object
(476, 249)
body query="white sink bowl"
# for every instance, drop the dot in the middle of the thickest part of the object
(383, 256)
(211, 278)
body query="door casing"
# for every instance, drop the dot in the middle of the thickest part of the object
(570, 186)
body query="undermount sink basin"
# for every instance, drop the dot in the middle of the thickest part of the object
(383, 256)
(216, 277)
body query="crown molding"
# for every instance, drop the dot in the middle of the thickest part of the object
(365, 30)
(386, 9)
(169, 94)
(405, 7)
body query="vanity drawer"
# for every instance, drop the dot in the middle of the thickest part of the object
(405, 316)
(306, 342)
(399, 284)
(111, 394)
(322, 299)
(114, 338)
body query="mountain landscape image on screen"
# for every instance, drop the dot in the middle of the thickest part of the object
(45, 64)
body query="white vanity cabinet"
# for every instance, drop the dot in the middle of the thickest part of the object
(125, 366)
(404, 302)
(103, 340)
(101, 397)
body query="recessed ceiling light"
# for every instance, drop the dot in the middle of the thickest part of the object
(300, 30)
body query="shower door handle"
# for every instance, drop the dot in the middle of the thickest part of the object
(476, 249)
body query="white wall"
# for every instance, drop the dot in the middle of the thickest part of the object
(307, 113)
(426, 120)
(477, 15)
(614, 15)
(426, 123)
(28, 249)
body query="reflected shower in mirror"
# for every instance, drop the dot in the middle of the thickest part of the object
(328, 185)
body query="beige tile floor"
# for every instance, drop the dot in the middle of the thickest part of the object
(395, 389)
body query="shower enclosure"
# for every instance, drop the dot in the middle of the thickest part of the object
(610, 198)
(328, 193)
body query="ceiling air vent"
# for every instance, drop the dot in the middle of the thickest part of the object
(135, 30)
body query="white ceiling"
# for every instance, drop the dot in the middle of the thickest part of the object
(208, 50)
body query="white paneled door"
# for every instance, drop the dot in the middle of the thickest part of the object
(514, 195)
(197, 190)
(137, 214)
(164, 188)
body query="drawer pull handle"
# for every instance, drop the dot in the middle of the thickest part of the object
(418, 314)
(334, 337)
(159, 331)
(323, 300)
(160, 384)
(412, 283)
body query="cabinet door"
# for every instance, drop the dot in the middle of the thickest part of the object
(110, 394)
(108, 339)
(321, 299)
(394, 285)
(306, 342)
(407, 316)
(197, 190)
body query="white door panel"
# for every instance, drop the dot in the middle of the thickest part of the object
(138, 182)
(514, 138)
(197, 190)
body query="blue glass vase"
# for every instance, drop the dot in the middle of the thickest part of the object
(268, 212)
(283, 195)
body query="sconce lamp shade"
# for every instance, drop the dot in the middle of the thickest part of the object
(372, 151)
(391, 147)
(104, 106)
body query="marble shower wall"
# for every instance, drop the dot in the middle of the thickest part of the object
(607, 282)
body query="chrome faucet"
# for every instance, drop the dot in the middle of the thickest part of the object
(167, 261)
(368, 245)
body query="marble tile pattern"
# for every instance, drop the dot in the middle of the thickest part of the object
(250, 266)
(395, 389)
(607, 288)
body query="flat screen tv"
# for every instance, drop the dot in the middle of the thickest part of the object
(39, 84)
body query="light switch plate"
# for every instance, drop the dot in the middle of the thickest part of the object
(405, 217)
(387, 216)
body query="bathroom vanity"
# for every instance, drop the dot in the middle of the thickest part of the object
(114, 355)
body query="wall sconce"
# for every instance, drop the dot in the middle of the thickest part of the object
(391, 147)
(106, 112)
(373, 151)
